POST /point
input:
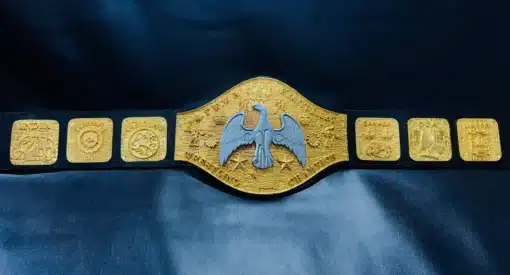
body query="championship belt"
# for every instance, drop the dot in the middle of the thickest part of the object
(261, 137)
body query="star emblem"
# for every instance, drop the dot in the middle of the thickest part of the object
(238, 162)
(284, 163)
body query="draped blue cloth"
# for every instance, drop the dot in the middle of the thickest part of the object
(368, 54)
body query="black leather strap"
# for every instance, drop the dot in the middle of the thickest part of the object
(405, 162)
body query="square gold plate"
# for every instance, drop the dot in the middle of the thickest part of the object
(89, 140)
(34, 142)
(479, 139)
(144, 139)
(429, 139)
(377, 139)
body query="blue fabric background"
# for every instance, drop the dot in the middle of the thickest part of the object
(368, 54)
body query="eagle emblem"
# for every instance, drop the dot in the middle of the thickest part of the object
(290, 135)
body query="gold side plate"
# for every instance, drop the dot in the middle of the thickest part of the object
(89, 140)
(479, 139)
(429, 139)
(143, 139)
(199, 137)
(34, 142)
(377, 139)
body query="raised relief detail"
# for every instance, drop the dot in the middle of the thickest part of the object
(377, 139)
(89, 140)
(266, 115)
(34, 142)
(263, 135)
(479, 139)
(144, 139)
(238, 163)
(429, 139)
(285, 163)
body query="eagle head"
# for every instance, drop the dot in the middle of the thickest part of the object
(258, 107)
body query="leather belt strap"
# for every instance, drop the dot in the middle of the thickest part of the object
(305, 139)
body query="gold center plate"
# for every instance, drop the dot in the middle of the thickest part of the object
(198, 134)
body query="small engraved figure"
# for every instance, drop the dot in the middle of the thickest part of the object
(280, 106)
(235, 135)
(378, 149)
(34, 148)
(480, 145)
(190, 124)
(330, 134)
(429, 142)
(144, 143)
(195, 138)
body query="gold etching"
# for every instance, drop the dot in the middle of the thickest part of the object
(377, 139)
(211, 141)
(34, 142)
(313, 140)
(330, 134)
(429, 139)
(89, 140)
(144, 139)
(479, 139)
(197, 142)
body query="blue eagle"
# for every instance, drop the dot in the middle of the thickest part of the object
(290, 135)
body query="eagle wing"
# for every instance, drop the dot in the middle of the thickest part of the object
(234, 135)
(291, 136)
